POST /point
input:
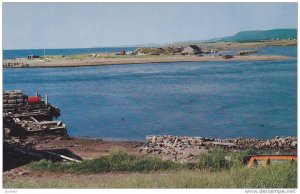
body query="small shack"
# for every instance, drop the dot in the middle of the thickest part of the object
(122, 52)
(191, 50)
(30, 57)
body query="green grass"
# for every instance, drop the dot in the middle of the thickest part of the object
(120, 161)
(273, 176)
(282, 175)
(214, 160)
(102, 56)
(116, 161)
(122, 170)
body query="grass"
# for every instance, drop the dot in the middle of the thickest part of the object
(116, 161)
(122, 170)
(274, 176)
(102, 56)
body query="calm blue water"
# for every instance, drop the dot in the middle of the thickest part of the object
(8, 54)
(270, 50)
(211, 99)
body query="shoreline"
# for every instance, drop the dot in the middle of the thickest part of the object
(17, 166)
(89, 148)
(24, 63)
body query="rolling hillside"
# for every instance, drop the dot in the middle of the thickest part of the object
(258, 35)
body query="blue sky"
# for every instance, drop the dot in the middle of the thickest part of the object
(80, 25)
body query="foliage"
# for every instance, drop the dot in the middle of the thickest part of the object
(117, 160)
(258, 35)
(218, 168)
(273, 176)
(215, 159)
(281, 175)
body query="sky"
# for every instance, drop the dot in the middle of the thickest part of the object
(85, 25)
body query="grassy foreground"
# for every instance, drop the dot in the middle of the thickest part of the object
(122, 170)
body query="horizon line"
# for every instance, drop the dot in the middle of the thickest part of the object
(147, 44)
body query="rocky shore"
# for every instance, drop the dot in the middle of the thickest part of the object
(186, 149)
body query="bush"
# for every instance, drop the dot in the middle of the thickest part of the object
(117, 160)
(214, 159)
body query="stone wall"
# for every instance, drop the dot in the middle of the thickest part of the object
(186, 149)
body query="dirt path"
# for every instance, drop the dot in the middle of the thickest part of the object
(89, 148)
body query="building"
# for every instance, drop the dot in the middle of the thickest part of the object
(30, 57)
(192, 50)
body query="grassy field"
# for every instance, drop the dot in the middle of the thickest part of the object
(274, 176)
(100, 56)
(122, 170)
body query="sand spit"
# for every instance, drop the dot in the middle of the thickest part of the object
(17, 63)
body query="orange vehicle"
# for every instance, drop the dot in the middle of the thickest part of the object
(267, 159)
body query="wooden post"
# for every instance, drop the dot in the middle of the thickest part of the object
(62, 156)
(46, 99)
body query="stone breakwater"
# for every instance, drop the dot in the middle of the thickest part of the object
(186, 149)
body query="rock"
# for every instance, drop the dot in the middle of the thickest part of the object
(294, 144)
(268, 143)
(59, 138)
(7, 131)
(207, 143)
(23, 173)
(272, 141)
(246, 52)
(182, 148)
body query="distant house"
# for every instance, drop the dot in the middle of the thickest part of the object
(191, 50)
(30, 57)
(122, 52)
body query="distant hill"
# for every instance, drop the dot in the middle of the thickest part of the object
(258, 35)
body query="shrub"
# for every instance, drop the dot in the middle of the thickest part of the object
(117, 160)
(214, 159)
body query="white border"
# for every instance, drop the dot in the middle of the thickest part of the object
(125, 191)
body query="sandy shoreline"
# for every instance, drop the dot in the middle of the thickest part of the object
(144, 60)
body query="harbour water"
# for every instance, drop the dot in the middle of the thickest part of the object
(211, 99)
(9, 54)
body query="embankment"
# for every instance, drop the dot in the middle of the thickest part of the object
(140, 60)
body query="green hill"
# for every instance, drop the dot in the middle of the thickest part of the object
(258, 35)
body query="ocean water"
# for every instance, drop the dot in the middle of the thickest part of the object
(8, 54)
(269, 50)
(210, 99)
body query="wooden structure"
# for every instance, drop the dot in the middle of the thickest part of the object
(27, 115)
(267, 159)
